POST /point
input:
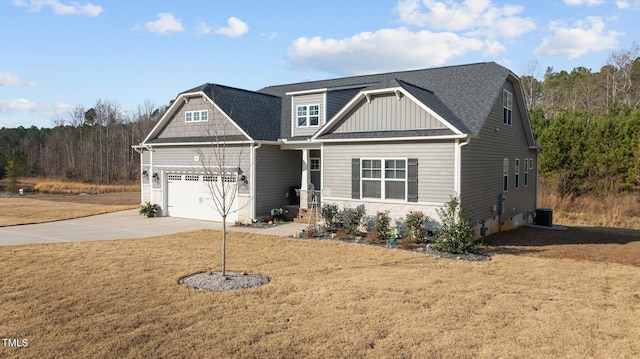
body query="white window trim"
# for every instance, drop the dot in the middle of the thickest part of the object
(505, 175)
(383, 179)
(517, 173)
(311, 166)
(507, 120)
(189, 114)
(307, 116)
(526, 172)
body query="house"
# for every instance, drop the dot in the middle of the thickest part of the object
(394, 142)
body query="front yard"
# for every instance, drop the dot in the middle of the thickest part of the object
(325, 299)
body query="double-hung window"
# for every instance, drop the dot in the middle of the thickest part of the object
(196, 116)
(507, 105)
(517, 173)
(388, 182)
(526, 172)
(505, 174)
(308, 115)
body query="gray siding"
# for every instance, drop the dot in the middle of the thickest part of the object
(387, 113)
(217, 123)
(481, 182)
(313, 99)
(435, 166)
(276, 171)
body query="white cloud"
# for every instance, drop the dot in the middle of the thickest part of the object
(166, 23)
(17, 105)
(31, 108)
(623, 5)
(203, 29)
(383, 50)
(9, 79)
(583, 2)
(475, 17)
(584, 37)
(73, 8)
(235, 28)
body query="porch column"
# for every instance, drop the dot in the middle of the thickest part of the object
(305, 180)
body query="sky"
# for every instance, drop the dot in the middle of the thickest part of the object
(57, 55)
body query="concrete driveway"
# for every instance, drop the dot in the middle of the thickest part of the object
(119, 225)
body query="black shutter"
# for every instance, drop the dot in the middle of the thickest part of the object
(412, 180)
(355, 178)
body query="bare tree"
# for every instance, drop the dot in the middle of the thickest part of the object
(222, 159)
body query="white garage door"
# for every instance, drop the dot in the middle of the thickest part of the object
(188, 196)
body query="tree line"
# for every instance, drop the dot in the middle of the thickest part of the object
(92, 145)
(588, 123)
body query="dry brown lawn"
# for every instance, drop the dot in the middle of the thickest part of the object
(325, 299)
(46, 208)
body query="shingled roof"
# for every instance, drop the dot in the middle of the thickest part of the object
(463, 94)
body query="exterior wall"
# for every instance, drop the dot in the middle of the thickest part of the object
(177, 127)
(312, 99)
(276, 171)
(185, 159)
(386, 113)
(435, 174)
(482, 181)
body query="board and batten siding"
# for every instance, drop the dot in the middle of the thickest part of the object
(435, 173)
(387, 113)
(276, 171)
(482, 159)
(217, 123)
(302, 100)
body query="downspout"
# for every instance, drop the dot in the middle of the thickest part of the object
(458, 169)
(253, 180)
(150, 149)
(140, 152)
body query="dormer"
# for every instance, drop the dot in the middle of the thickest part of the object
(308, 111)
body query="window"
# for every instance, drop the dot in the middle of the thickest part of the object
(308, 115)
(526, 172)
(191, 178)
(505, 174)
(387, 183)
(517, 174)
(507, 104)
(314, 164)
(196, 116)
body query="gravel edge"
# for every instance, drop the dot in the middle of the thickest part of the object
(214, 282)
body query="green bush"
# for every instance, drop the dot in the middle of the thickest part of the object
(353, 219)
(280, 214)
(381, 225)
(416, 223)
(454, 236)
(332, 217)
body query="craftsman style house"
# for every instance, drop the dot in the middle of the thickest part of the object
(397, 141)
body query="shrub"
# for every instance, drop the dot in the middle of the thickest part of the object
(454, 236)
(332, 217)
(353, 219)
(342, 234)
(280, 214)
(373, 238)
(406, 243)
(381, 225)
(311, 232)
(416, 223)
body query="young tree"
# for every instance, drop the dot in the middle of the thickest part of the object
(12, 174)
(222, 160)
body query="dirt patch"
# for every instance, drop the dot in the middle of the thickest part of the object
(598, 244)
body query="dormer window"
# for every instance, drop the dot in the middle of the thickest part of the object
(308, 115)
(507, 106)
(196, 116)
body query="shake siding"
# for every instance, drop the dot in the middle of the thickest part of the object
(481, 182)
(177, 127)
(435, 166)
(313, 99)
(387, 113)
(276, 171)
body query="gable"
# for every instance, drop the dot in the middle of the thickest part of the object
(177, 127)
(387, 112)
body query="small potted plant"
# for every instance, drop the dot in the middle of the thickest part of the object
(148, 209)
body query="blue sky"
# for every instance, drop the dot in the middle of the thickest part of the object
(59, 54)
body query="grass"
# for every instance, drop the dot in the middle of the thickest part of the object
(325, 299)
(612, 210)
(46, 208)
